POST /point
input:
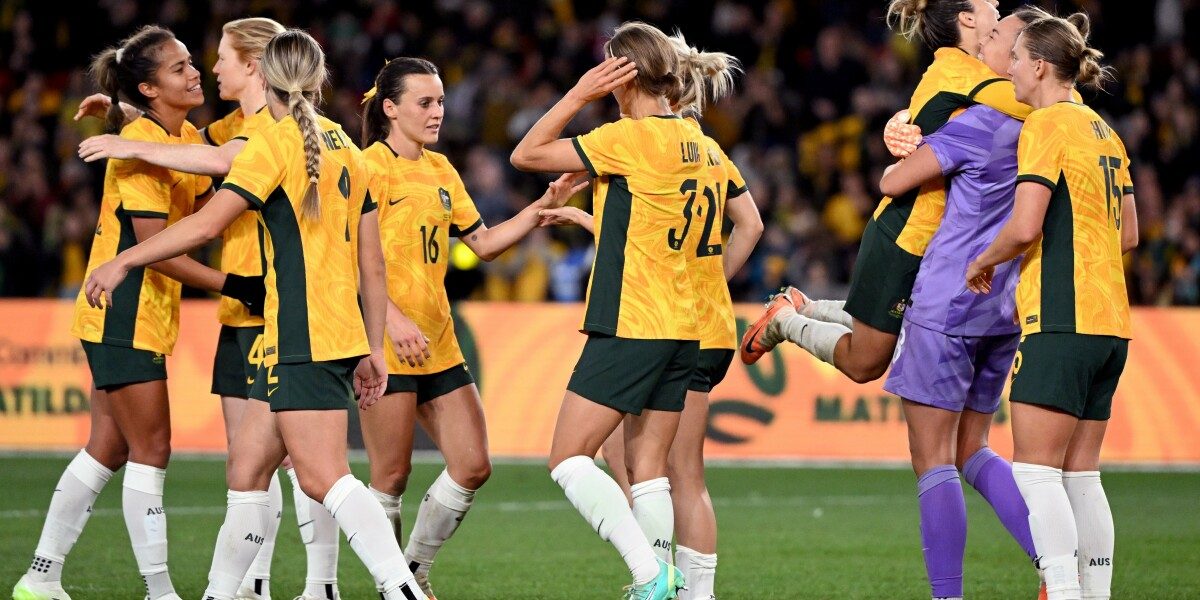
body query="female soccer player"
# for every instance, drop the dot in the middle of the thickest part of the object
(956, 349)
(422, 204)
(126, 344)
(859, 335)
(239, 346)
(1073, 218)
(309, 182)
(704, 74)
(640, 319)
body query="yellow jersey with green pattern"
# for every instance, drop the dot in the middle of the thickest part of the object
(311, 311)
(954, 81)
(241, 243)
(649, 173)
(1073, 278)
(145, 307)
(422, 204)
(714, 306)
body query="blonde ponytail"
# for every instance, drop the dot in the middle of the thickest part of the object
(293, 66)
(707, 76)
(1063, 44)
(934, 21)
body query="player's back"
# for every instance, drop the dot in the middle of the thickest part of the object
(651, 171)
(978, 153)
(311, 308)
(1073, 279)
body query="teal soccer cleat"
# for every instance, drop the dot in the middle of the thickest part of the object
(665, 586)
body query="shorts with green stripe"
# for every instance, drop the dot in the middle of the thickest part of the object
(882, 283)
(326, 385)
(710, 369)
(634, 375)
(1071, 372)
(116, 366)
(234, 366)
(431, 386)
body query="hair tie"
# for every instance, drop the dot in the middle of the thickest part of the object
(370, 94)
(120, 53)
(313, 180)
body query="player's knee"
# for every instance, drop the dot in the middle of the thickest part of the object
(154, 450)
(315, 487)
(391, 479)
(967, 449)
(473, 474)
(866, 373)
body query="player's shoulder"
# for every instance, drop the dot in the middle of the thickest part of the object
(256, 122)
(953, 70)
(146, 129)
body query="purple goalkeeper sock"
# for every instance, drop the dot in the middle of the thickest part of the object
(943, 529)
(992, 476)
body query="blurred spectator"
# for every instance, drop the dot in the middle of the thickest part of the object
(820, 80)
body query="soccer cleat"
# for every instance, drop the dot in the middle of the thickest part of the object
(664, 586)
(1042, 593)
(28, 590)
(246, 593)
(752, 347)
(171, 596)
(797, 298)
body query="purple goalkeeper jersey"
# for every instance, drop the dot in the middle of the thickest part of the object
(978, 155)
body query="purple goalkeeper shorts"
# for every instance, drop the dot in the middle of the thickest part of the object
(951, 372)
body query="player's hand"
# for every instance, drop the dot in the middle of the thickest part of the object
(101, 283)
(407, 340)
(900, 137)
(95, 105)
(565, 215)
(603, 78)
(560, 190)
(979, 278)
(106, 146)
(370, 379)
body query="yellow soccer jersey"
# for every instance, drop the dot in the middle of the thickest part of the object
(650, 174)
(311, 311)
(1073, 278)
(422, 204)
(145, 309)
(241, 244)
(953, 81)
(714, 307)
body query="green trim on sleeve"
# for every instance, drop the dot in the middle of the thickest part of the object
(1127, 190)
(583, 155)
(1037, 179)
(146, 214)
(369, 204)
(983, 84)
(459, 233)
(733, 192)
(254, 201)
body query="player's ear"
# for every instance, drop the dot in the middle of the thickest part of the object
(966, 19)
(148, 90)
(390, 109)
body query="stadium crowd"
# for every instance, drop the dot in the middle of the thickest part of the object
(821, 78)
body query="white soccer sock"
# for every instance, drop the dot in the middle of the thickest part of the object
(1052, 525)
(655, 515)
(602, 503)
(699, 571)
(146, 520)
(829, 311)
(366, 527)
(258, 578)
(319, 532)
(70, 507)
(247, 519)
(393, 507)
(817, 337)
(441, 512)
(1093, 518)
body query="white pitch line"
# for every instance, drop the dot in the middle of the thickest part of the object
(542, 505)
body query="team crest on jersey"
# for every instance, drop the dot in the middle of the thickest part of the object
(899, 308)
(445, 197)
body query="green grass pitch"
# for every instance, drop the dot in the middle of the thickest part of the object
(786, 533)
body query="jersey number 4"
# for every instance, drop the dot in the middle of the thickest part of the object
(676, 238)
